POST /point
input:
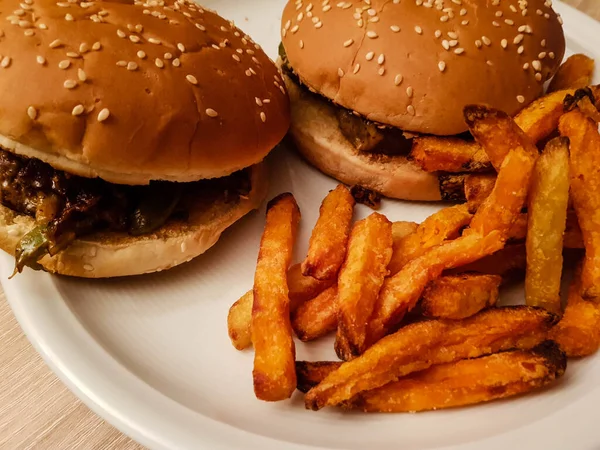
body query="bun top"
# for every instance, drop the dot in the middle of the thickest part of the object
(133, 91)
(414, 64)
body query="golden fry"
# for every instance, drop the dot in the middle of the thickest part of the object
(239, 319)
(461, 383)
(585, 192)
(548, 201)
(459, 296)
(573, 237)
(576, 72)
(478, 187)
(505, 262)
(360, 280)
(447, 154)
(402, 229)
(578, 332)
(467, 382)
(327, 248)
(444, 224)
(401, 292)
(518, 230)
(316, 317)
(420, 345)
(274, 371)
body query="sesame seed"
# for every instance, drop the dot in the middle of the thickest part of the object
(444, 19)
(294, 29)
(486, 40)
(453, 43)
(159, 63)
(32, 112)
(452, 35)
(372, 35)
(168, 56)
(542, 55)
(154, 41)
(64, 64)
(132, 66)
(381, 59)
(181, 47)
(70, 84)
(24, 23)
(395, 28)
(135, 39)
(68, 17)
(520, 99)
(536, 65)
(398, 80)
(518, 39)
(478, 43)
(73, 54)
(356, 68)
(236, 57)
(504, 43)
(419, 30)
(551, 55)
(83, 47)
(489, 63)
(526, 66)
(40, 60)
(538, 76)
(141, 54)
(200, 27)
(509, 22)
(263, 117)
(496, 24)
(55, 43)
(409, 91)
(81, 75)
(319, 25)
(42, 26)
(340, 73)
(29, 33)
(446, 44)
(301, 43)
(176, 62)
(349, 42)
(520, 50)
(459, 51)
(192, 79)
(370, 56)
(139, 28)
(258, 101)
(411, 110)
(438, 34)
(121, 33)
(122, 63)
(78, 110)
(5, 62)
(96, 46)
(103, 115)
(499, 13)
(442, 66)
(381, 71)
(211, 112)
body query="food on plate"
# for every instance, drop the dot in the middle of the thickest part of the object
(239, 319)
(461, 383)
(406, 351)
(327, 246)
(274, 372)
(359, 282)
(578, 332)
(586, 101)
(585, 192)
(443, 225)
(478, 187)
(506, 262)
(459, 296)
(116, 160)
(317, 317)
(366, 196)
(447, 154)
(401, 229)
(546, 222)
(576, 72)
(365, 80)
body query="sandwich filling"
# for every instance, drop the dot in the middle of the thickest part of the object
(66, 206)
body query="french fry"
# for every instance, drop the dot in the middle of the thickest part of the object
(518, 230)
(459, 296)
(316, 317)
(402, 229)
(274, 371)
(585, 192)
(504, 262)
(461, 383)
(446, 154)
(585, 101)
(573, 237)
(445, 224)
(548, 201)
(327, 247)
(360, 280)
(420, 345)
(578, 332)
(239, 319)
(478, 187)
(576, 72)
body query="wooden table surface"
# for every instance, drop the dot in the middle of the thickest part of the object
(38, 412)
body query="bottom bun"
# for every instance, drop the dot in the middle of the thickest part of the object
(106, 255)
(317, 135)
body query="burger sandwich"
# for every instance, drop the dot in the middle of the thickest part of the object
(132, 133)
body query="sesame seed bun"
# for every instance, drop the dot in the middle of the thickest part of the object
(414, 65)
(105, 255)
(135, 92)
(316, 133)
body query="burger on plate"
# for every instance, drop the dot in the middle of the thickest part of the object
(367, 76)
(131, 133)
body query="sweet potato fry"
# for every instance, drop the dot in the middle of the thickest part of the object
(576, 72)
(239, 319)
(327, 248)
(461, 383)
(402, 229)
(274, 371)
(518, 230)
(585, 192)
(401, 292)
(444, 224)
(497, 133)
(467, 382)
(578, 332)
(420, 345)
(548, 201)
(360, 280)
(478, 187)
(459, 296)
(447, 154)
(585, 100)
(505, 262)
(316, 317)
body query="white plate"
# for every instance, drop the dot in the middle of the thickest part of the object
(152, 356)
